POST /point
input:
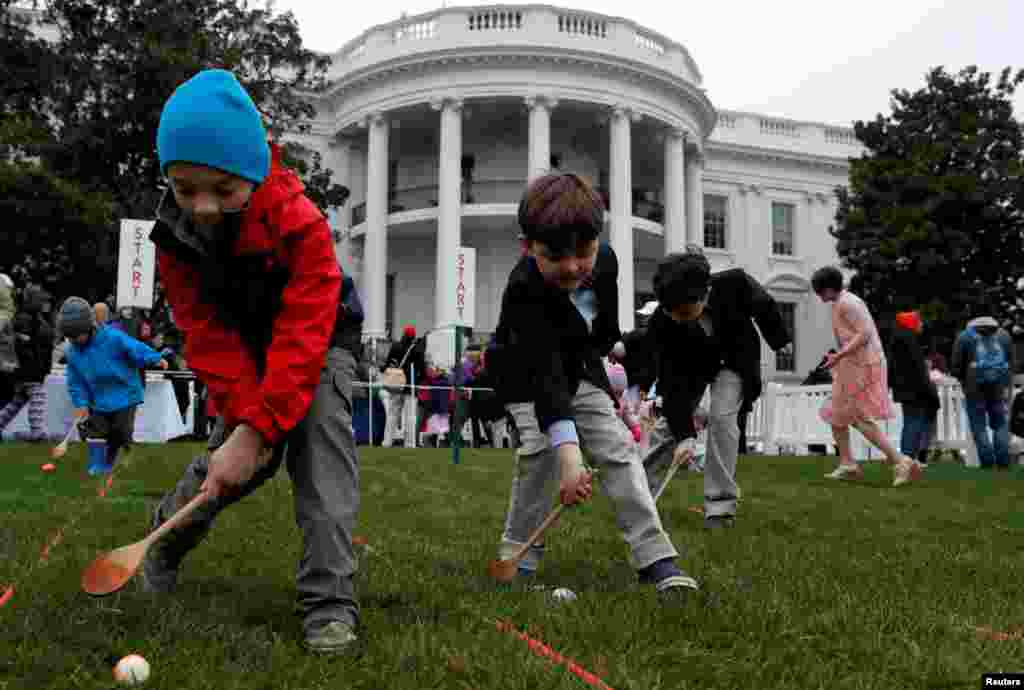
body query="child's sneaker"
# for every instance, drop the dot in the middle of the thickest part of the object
(332, 637)
(719, 521)
(666, 577)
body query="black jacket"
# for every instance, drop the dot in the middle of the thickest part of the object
(34, 338)
(639, 362)
(687, 361)
(908, 372)
(417, 358)
(348, 327)
(543, 348)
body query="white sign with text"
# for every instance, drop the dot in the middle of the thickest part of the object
(136, 265)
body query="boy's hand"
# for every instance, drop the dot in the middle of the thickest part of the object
(575, 486)
(235, 462)
(683, 454)
(163, 364)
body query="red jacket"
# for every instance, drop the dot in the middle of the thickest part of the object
(284, 224)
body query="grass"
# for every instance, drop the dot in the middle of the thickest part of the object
(820, 585)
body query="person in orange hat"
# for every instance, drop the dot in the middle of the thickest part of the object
(912, 386)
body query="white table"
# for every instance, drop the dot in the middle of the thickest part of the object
(157, 420)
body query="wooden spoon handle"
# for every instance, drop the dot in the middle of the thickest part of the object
(177, 518)
(671, 473)
(548, 521)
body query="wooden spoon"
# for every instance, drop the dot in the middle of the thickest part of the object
(111, 571)
(505, 570)
(61, 449)
(683, 458)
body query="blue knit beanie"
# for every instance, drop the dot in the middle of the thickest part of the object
(210, 120)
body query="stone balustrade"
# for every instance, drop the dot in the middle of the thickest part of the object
(520, 27)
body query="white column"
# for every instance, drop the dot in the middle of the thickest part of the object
(375, 243)
(675, 200)
(694, 199)
(339, 150)
(620, 180)
(449, 213)
(539, 161)
(339, 153)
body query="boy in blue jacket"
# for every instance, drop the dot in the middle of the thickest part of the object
(103, 381)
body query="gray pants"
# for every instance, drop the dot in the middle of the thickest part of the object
(610, 447)
(400, 411)
(320, 453)
(722, 446)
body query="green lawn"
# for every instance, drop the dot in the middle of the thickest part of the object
(820, 585)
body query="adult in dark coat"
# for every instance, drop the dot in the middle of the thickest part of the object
(33, 342)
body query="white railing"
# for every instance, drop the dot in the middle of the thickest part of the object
(779, 128)
(792, 422)
(528, 26)
(834, 135)
(416, 31)
(496, 20)
(649, 43)
(582, 25)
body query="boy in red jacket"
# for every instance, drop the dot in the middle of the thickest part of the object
(250, 272)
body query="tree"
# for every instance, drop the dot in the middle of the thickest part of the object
(123, 58)
(49, 236)
(934, 214)
(87, 104)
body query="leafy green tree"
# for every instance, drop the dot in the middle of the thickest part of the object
(934, 214)
(85, 104)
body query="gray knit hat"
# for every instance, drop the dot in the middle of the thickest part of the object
(76, 317)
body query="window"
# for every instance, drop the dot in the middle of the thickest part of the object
(782, 229)
(715, 221)
(786, 361)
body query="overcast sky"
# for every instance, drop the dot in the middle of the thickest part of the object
(819, 60)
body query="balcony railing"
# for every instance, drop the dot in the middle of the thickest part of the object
(534, 25)
(498, 191)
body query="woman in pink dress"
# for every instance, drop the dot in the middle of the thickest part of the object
(860, 386)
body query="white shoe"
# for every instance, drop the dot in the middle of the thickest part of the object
(906, 471)
(846, 471)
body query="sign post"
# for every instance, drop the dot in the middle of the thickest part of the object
(465, 315)
(136, 265)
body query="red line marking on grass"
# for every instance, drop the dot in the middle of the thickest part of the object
(57, 537)
(542, 650)
(6, 596)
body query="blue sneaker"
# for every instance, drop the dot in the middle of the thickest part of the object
(666, 577)
(94, 470)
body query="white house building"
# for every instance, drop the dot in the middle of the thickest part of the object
(436, 122)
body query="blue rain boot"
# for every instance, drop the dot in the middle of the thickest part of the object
(97, 456)
(111, 458)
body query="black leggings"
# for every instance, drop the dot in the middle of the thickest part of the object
(116, 427)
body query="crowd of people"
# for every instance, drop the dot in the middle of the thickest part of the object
(273, 330)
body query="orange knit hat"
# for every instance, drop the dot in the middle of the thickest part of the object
(910, 320)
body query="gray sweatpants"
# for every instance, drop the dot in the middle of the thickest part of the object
(722, 447)
(320, 453)
(610, 447)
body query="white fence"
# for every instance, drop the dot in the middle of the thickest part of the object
(786, 419)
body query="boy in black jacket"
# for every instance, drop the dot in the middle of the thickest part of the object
(559, 316)
(703, 334)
